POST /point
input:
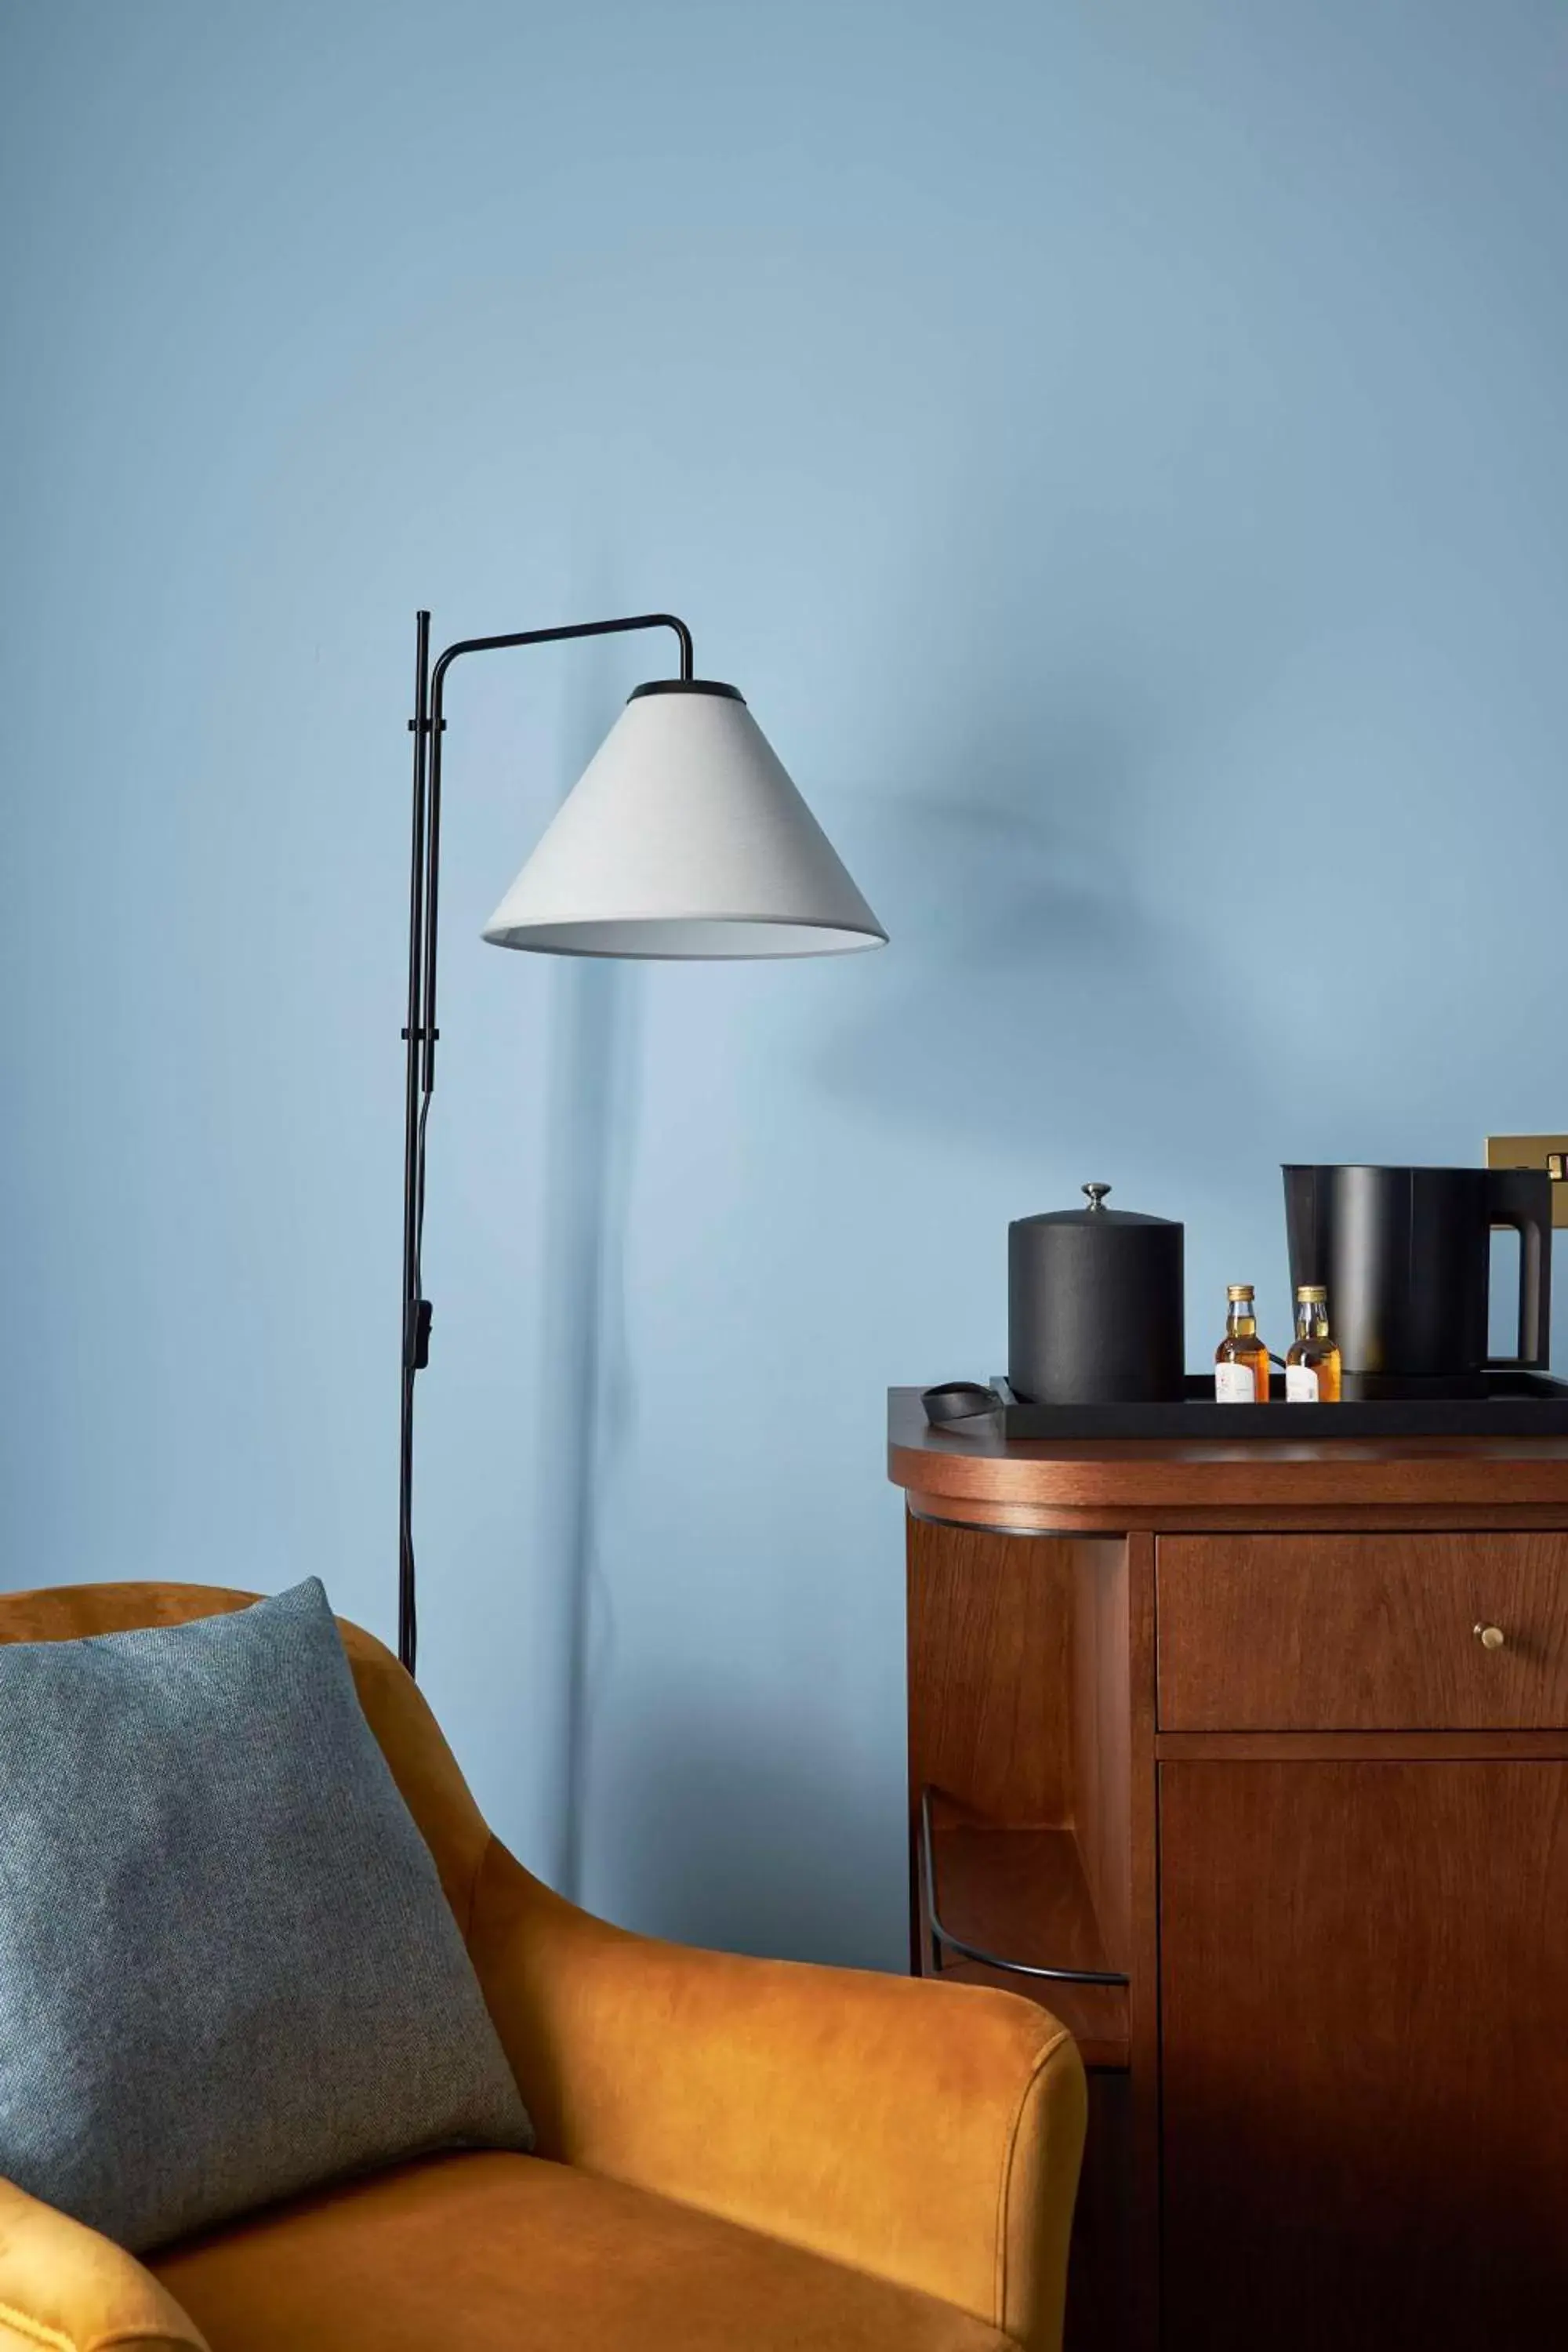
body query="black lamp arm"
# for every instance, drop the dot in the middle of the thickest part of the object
(427, 726)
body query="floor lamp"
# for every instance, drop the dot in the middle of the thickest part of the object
(683, 838)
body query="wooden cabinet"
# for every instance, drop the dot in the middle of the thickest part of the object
(1364, 1978)
(1267, 1745)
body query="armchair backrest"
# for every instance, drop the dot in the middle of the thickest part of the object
(422, 1764)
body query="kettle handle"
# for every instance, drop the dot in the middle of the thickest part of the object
(1513, 1196)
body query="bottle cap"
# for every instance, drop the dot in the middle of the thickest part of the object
(1238, 1290)
(1311, 1293)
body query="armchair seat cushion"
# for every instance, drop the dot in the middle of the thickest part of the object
(482, 2252)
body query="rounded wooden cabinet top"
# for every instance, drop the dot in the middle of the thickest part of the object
(983, 1480)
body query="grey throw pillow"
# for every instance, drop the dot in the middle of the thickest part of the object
(228, 1970)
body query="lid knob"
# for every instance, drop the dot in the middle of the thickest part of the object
(1096, 1194)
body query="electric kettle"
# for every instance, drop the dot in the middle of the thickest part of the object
(1405, 1253)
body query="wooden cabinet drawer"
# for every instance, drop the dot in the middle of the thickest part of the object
(1373, 1632)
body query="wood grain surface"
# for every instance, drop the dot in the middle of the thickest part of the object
(1102, 1740)
(1359, 1747)
(1031, 1693)
(1126, 1474)
(1335, 1869)
(1364, 1984)
(1342, 1633)
(1106, 2257)
(1021, 1893)
(989, 1633)
(1140, 2291)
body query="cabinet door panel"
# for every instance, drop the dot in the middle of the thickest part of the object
(1364, 2027)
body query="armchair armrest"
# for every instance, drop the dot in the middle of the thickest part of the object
(66, 2289)
(929, 2134)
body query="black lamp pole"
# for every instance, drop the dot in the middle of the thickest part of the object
(427, 726)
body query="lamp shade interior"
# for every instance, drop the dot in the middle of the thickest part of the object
(684, 837)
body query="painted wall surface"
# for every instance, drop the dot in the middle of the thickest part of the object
(1119, 451)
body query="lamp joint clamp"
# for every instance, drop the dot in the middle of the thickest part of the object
(417, 1334)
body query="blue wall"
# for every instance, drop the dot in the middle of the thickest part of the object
(1118, 449)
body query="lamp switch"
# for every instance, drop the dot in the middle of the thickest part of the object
(417, 1335)
(1548, 1151)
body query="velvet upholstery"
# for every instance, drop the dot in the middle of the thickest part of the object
(919, 2143)
(489, 2254)
(64, 2287)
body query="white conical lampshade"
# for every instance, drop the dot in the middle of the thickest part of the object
(684, 836)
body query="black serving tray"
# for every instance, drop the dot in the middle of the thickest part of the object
(1513, 1404)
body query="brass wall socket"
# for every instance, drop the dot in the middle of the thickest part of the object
(1535, 1152)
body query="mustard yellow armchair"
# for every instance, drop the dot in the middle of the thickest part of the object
(734, 2155)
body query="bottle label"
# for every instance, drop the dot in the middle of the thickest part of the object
(1235, 1384)
(1300, 1384)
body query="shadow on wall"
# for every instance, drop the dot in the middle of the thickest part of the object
(781, 1866)
(1044, 996)
(1043, 993)
(586, 1374)
(586, 1387)
(1041, 996)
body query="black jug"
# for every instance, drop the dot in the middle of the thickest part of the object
(1094, 1305)
(1405, 1253)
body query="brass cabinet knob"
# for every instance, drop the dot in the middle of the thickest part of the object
(1491, 1637)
